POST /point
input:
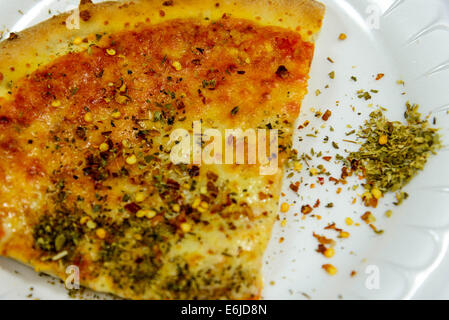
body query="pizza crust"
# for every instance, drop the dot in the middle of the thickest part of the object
(52, 37)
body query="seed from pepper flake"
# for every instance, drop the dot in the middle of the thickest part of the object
(110, 52)
(342, 36)
(101, 233)
(285, 207)
(330, 269)
(329, 252)
(88, 117)
(103, 147)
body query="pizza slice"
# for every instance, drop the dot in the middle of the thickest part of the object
(89, 104)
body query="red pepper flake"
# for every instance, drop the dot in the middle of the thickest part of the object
(326, 115)
(332, 179)
(370, 202)
(294, 187)
(321, 180)
(323, 240)
(262, 196)
(306, 209)
(375, 229)
(353, 273)
(132, 207)
(305, 124)
(380, 76)
(366, 216)
(333, 226)
(321, 249)
(344, 173)
(317, 203)
(327, 158)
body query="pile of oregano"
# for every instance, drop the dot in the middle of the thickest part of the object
(393, 152)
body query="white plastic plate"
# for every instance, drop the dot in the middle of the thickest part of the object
(405, 40)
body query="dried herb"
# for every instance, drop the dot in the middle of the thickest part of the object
(393, 152)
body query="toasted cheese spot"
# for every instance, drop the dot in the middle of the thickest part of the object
(85, 15)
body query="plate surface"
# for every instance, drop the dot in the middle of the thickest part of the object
(405, 40)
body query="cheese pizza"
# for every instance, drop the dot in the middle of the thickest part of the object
(88, 104)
